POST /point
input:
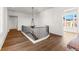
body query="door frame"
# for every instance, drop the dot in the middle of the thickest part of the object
(17, 21)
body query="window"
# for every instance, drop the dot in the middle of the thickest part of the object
(70, 22)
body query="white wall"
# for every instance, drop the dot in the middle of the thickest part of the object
(53, 18)
(3, 17)
(1, 20)
(23, 18)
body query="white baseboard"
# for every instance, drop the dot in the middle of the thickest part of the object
(57, 34)
(35, 41)
(3, 37)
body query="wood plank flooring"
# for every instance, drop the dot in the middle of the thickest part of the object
(16, 41)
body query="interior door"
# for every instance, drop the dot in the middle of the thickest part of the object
(13, 22)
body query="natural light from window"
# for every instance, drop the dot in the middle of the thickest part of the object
(71, 22)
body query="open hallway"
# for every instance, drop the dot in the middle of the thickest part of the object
(34, 25)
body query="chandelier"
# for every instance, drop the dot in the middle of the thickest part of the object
(32, 22)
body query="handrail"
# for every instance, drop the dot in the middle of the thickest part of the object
(34, 36)
(36, 32)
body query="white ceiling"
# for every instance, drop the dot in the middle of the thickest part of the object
(28, 9)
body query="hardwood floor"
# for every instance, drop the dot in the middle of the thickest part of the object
(16, 41)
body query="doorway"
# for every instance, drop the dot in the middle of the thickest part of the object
(13, 22)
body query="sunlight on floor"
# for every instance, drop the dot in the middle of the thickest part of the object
(68, 36)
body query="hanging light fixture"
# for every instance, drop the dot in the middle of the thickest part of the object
(32, 22)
